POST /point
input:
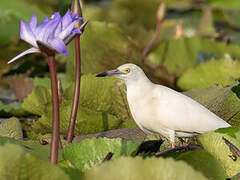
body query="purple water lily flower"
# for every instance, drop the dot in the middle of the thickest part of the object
(50, 32)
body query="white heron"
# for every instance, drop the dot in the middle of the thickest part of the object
(159, 109)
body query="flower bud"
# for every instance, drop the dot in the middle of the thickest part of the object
(76, 8)
(179, 30)
(161, 12)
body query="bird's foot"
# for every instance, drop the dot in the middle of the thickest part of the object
(183, 141)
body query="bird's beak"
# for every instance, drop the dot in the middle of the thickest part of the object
(110, 73)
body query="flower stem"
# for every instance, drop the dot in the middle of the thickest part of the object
(55, 108)
(72, 121)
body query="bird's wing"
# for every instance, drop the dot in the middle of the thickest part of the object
(181, 113)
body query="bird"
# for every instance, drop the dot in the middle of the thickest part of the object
(158, 109)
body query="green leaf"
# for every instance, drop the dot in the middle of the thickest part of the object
(236, 89)
(232, 17)
(17, 164)
(179, 55)
(135, 11)
(236, 177)
(220, 100)
(87, 121)
(32, 147)
(73, 172)
(46, 82)
(141, 169)
(90, 152)
(103, 106)
(206, 24)
(104, 95)
(204, 162)
(214, 144)
(11, 128)
(10, 16)
(36, 102)
(11, 109)
(206, 74)
(4, 67)
(232, 131)
(222, 4)
(103, 45)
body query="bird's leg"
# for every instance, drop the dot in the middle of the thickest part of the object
(183, 141)
(172, 137)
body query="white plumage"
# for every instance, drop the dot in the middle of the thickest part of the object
(159, 109)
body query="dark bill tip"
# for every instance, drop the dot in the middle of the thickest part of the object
(102, 74)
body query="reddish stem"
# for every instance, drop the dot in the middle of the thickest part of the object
(55, 109)
(72, 121)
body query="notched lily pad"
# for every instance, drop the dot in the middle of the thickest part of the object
(91, 152)
(214, 143)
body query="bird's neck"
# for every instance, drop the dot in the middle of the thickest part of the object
(138, 87)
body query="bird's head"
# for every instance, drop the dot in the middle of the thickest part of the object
(127, 72)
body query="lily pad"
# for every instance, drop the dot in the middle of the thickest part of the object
(17, 164)
(141, 169)
(220, 100)
(204, 162)
(46, 82)
(11, 109)
(179, 55)
(222, 72)
(230, 4)
(11, 128)
(32, 147)
(36, 102)
(213, 143)
(91, 152)
(87, 121)
(135, 11)
(104, 95)
(103, 106)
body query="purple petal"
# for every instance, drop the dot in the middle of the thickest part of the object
(74, 15)
(48, 30)
(45, 19)
(77, 31)
(29, 51)
(55, 15)
(41, 26)
(59, 46)
(67, 31)
(26, 34)
(67, 19)
(33, 22)
(58, 29)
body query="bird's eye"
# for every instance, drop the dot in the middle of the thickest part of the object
(126, 71)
